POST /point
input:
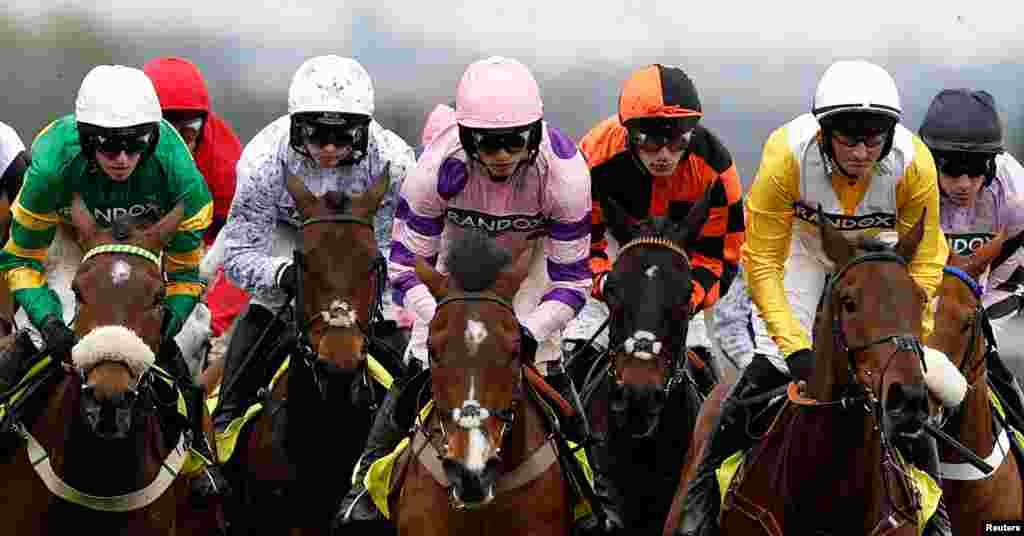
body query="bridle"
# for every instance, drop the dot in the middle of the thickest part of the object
(340, 313)
(471, 415)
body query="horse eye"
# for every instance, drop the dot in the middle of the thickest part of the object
(849, 305)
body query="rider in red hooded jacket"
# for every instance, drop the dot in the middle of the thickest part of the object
(216, 148)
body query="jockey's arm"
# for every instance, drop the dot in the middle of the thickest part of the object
(566, 247)
(184, 251)
(769, 228)
(919, 190)
(598, 146)
(248, 234)
(392, 151)
(416, 232)
(33, 227)
(715, 252)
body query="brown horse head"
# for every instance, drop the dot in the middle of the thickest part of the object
(649, 291)
(475, 361)
(868, 327)
(339, 263)
(959, 314)
(119, 288)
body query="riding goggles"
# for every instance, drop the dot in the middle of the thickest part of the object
(492, 141)
(111, 146)
(955, 164)
(652, 142)
(338, 135)
(853, 139)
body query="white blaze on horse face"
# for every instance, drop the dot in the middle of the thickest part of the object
(936, 301)
(651, 272)
(475, 334)
(120, 272)
(476, 454)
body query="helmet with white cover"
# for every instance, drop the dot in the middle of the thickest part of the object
(333, 92)
(857, 93)
(116, 101)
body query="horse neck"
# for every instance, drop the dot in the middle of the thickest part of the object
(835, 466)
(974, 427)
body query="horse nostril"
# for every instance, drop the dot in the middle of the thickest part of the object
(911, 400)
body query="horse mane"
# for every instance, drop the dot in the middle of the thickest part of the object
(475, 260)
(121, 228)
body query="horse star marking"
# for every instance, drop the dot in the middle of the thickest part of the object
(120, 272)
(475, 334)
(651, 272)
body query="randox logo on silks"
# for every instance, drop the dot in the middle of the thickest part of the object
(878, 220)
(967, 243)
(107, 216)
(495, 225)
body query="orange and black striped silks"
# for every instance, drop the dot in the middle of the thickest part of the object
(706, 166)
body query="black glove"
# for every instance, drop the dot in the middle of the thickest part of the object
(58, 337)
(801, 364)
(527, 344)
(288, 280)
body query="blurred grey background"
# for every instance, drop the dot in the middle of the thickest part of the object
(755, 65)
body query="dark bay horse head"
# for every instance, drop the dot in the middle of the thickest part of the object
(649, 294)
(868, 328)
(476, 366)
(341, 273)
(119, 287)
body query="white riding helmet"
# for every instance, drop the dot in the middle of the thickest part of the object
(331, 84)
(115, 96)
(856, 86)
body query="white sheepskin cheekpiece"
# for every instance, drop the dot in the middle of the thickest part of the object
(943, 379)
(113, 343)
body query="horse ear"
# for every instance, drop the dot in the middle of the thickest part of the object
(694, 220)
(1007, 250)
(83, 221)
(371, 199)
(837, 248)
(510, 279)
(305, 201)
(619, 222)
(436, 283)
(160, 233)
(907, 245)
(976, 264)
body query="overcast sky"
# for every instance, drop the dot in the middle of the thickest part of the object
(754, 63)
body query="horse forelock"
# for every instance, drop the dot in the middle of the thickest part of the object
(475, 261)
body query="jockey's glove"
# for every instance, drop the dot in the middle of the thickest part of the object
(801, 364)
(287, 279)
(58, 337)
(527, 344)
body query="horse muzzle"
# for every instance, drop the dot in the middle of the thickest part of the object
(108, 419)
(905, 409)
(470, 490)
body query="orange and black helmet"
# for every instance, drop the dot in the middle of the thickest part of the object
(660, 92)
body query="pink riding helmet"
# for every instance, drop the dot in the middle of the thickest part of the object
(497, 92)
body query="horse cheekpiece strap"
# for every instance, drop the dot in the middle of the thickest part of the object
(655, 241)
(123, 248)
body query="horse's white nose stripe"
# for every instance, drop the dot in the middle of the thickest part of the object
(120, 272)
